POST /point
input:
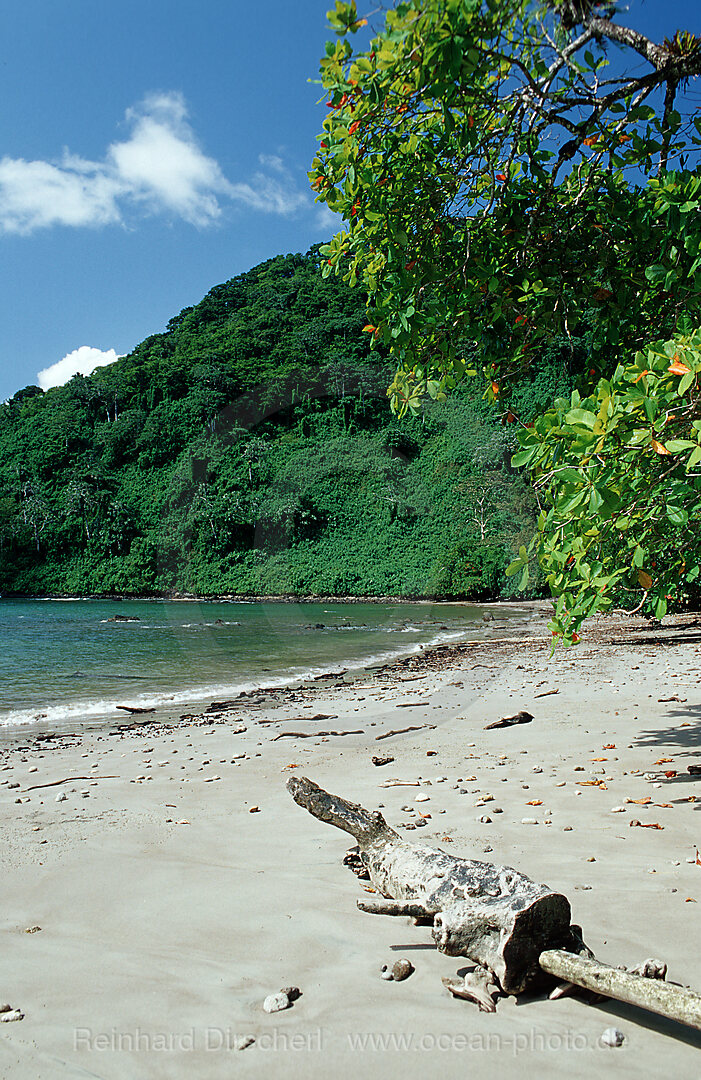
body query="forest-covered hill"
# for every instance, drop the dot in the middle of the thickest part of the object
(250, 449)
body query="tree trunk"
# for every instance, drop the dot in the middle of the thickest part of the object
(493, 915)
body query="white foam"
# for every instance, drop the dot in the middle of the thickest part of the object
(106, 709)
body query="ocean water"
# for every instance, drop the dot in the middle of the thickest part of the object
(66, 664)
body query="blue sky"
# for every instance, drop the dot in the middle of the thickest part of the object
(151, 149)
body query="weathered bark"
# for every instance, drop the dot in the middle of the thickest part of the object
(493, 915)
(646, 991)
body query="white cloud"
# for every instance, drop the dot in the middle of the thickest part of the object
(82, 361)
(328, 221)
(269, 195)
(159, 168)
(162, 166)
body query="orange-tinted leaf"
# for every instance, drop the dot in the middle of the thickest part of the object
(609, 746)
(642, 802)
(690, 900)
(354, 127)
(646, 825)
(670, 773)
(369, 329)
(495, 388)
(663, 761)
(601, 294)
(535, 802)
(659, 447)
(677, 368)
(592, 140)
(640, 376)
(599, 759)
(644, 580)
(501, 176)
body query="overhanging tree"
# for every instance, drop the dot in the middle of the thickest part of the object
(514, 170)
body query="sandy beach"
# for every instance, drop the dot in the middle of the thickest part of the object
(153, 901)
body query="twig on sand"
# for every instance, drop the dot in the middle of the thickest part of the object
(314, 734)
(67, 780)
(402, 730)
(522, 717)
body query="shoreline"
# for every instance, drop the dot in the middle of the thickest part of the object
(99, 712)
(282, 598)
(176, 884)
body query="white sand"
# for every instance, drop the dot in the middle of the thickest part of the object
(168, 911)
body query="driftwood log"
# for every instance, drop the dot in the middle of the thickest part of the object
(515, 930)
(492, 914)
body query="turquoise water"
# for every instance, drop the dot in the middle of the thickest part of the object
(69, 663)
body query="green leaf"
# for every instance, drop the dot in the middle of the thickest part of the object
(677, 515)
(524, 457)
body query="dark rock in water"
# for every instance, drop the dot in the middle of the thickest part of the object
(124, 618)
(487, 617)
(314, 626)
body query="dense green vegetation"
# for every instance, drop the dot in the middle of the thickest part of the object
(511, 173)
(250, 449)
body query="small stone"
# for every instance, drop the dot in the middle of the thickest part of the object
(497, 810)
(242, 1041)
(386, 973)
(562, 783)
(254, 809)
(537, 768)
(401, 969)
(293, 992)
(529, 821)
(13, 785)
(422, 798)
(612, 1037)
(276, 1003)
(567, 828)
(62, 797)
(485, 819)
(9, 1015)
(618, 810)
(32, 929)
(591, 859)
